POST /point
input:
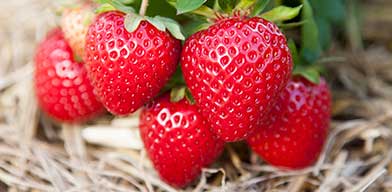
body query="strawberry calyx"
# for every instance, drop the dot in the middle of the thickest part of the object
(301, 68)
(179, 93)
(113, 5)
(133, 20)
(226, 8)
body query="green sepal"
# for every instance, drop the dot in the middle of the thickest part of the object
(291, 25)
(121, 7)
(177, 94)
(245, 4)
(293, 51)
(216, 6)
(189, 97)
(184, 6)
(156, 23)
(172, 2)
(195, 26)
(227, 5)
(172, 26)
(110, 5)
(132, 22)
(204, 11)
(104, 8)
(310, 73)
(282, 13)
(127, 2)
(259, 6)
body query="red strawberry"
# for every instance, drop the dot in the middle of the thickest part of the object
(128, 69)
(178, 140)
(61, 84)
(296, 130)
(74, 23)
(234, 70)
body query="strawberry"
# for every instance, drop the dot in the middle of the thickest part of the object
(234, 70)
(178, 140)
(61, 84)
(74, 23)
(294, 134)
(128, 68)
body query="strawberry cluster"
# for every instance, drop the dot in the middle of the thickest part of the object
(239, 86)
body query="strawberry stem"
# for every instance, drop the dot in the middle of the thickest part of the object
(143, 7)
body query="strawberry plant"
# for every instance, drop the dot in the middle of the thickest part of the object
(231, 68)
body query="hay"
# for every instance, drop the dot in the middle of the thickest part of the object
(37, 154)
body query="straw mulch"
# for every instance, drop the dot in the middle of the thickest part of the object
(37, 154)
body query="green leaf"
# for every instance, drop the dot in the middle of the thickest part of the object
(172, 2)
(311, 49)
(244, 4)
(177, 94)
(294, 52)
(127, 2)
(102, 1)
(259, 7)
(110, 5)
(104, 8)
(227, 5)
(176, 80)
(184, 6)
(132, 21)
(189, 96)
(195, 26)
(204, 11)
(282, 13)
(290, 25)
(324, 29)
(172, 26)
(216, 6)
(121, 7)
(331, 10)
(309, 73)
(156, 23)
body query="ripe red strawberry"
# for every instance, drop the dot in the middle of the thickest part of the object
(74, 23)
(297, 127)
(128, 69)
(178, 140)
(61, 84)
(234, 70)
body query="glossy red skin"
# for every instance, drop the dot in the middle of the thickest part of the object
(128, 69)
(234, 70)
(178, 140)
(294, 134)
(62, 87)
